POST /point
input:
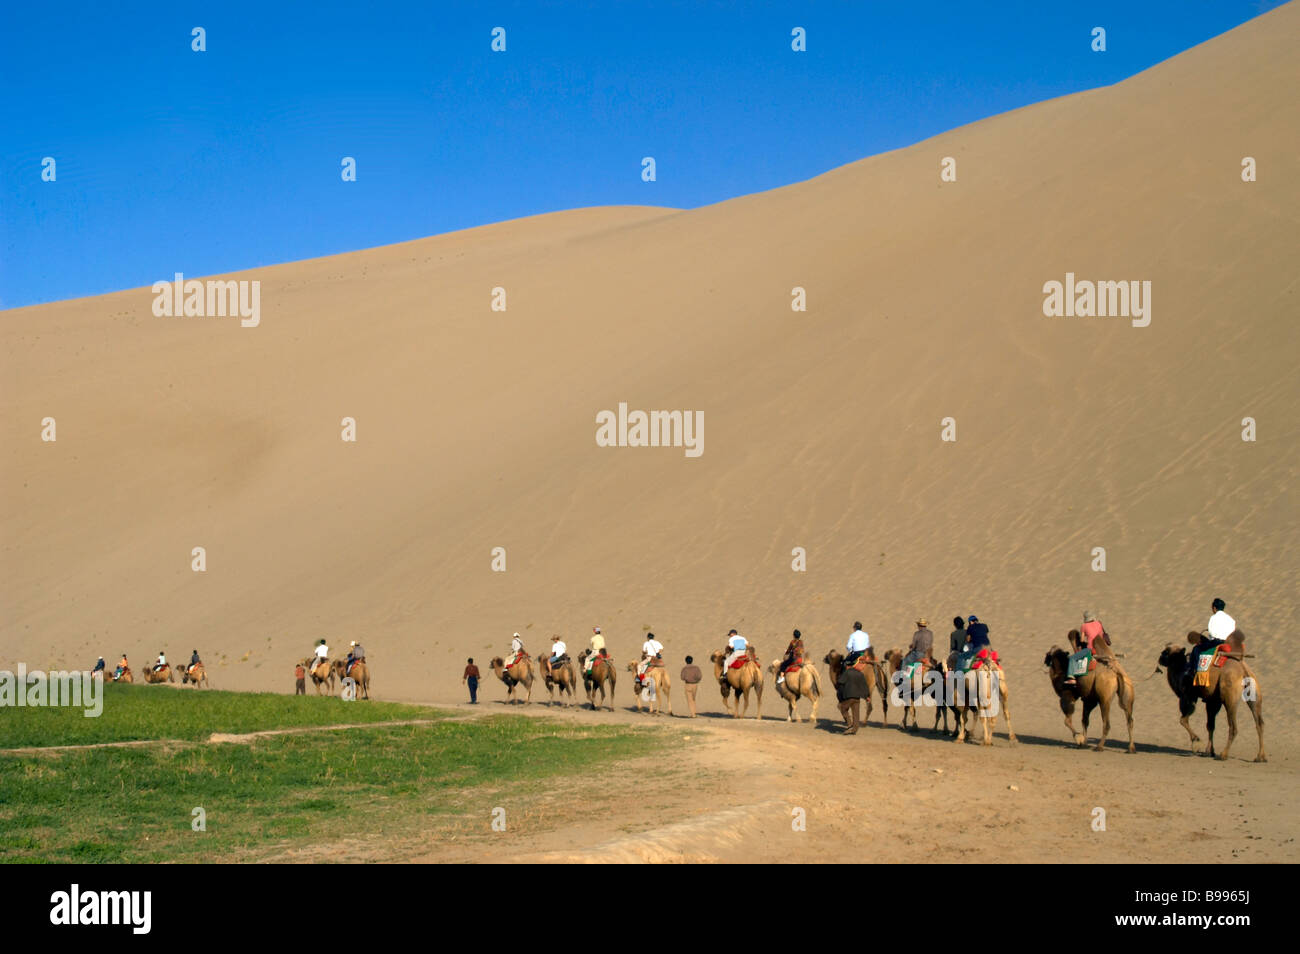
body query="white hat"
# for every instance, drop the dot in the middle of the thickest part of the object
(516, 635)
(354, 642)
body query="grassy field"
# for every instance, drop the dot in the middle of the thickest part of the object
(157, 712)
(278, 793)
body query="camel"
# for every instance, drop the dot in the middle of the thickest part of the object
(360, 676)
(740, 681)
(321, 673)
(804, 684)
(913, 696)
(521, 673)
(973, 696)
(1097, 688)
(562, 677)
(1227, 687)
(164, 674)
(663, 689)
(125, 676)
(875, 676)
(602, 671)
(196, 676)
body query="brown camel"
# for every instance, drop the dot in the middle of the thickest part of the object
(975, 695)
(360, 676)
(1106, 682)
(562, 677)
(164, 674)
(195, 676)
(322, 673)
(875, 676)
(520, 673)
(1227, 687)
(913, 696)
(803, 684)
(602, 671)
(740, 681)
(663, 689)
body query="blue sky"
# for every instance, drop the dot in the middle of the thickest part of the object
(170, 160)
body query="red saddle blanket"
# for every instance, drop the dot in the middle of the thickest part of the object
(986, 656)
(740, 661)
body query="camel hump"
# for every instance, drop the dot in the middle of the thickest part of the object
(1237, 641)
(1194, 637)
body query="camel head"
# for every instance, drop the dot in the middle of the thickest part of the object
(833, 658)
(497, 663)
(1173, 657)
(1193, 638)
(1057, 658)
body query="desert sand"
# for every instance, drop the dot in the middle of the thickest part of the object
(476, 428)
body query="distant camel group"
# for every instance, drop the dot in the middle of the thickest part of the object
(983, 691)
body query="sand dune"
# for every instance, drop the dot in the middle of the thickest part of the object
(476, 429)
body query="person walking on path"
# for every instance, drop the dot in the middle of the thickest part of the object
(691, 677)
(471, 679)
(300, 674)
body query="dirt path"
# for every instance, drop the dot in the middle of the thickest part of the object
(733, 788)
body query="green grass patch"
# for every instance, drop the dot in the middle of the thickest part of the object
(279, 792)
(156, 712)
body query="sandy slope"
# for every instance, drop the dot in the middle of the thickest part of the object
(822, 429)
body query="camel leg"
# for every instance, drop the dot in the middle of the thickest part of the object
(1067, 709)
(1105, 723)
(1212, 706)
(1256, 709)
(1230, 709)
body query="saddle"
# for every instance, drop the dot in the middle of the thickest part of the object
(740, 661)
(866, 659)
(1081, 663)
(1211, 660)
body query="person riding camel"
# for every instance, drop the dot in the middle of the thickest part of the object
(736, 645)
(859, 643)
(321, 654)
(194, 658)
(122, 666)
(977, 635)
(99, 666)
(1093, 639)
(793, 654)
(160, 662)
(922, 647)
(1216, 631)
(651, 655)
(356, 654)
(597, 649)
(558, 649)
(516, 650)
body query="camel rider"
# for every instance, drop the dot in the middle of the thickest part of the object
(1217, 631)
(322, 654)
(1089, 634)
(160, 662)
(793, 654)
(194, 660)
(558, 650)
(957, 638)
(516, 650)
(355, 655)
(977, 634)
(99, 666)
(122, 666)
(859, 642)
(922, 643)
(736, 645)
(651, 655)
(597, 647)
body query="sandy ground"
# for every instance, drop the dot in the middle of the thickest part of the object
(726, 791)
(476, 430)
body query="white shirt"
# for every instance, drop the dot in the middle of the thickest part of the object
(558, 648)
(859, 642)
(736, 642)
(516, 645)
(162, 660)
(322, 652)
(1221, 625)
(652, 647)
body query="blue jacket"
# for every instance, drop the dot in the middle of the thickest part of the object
(978, 634)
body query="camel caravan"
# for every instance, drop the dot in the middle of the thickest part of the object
(351, 674)
(968, 682)
(160, 671)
